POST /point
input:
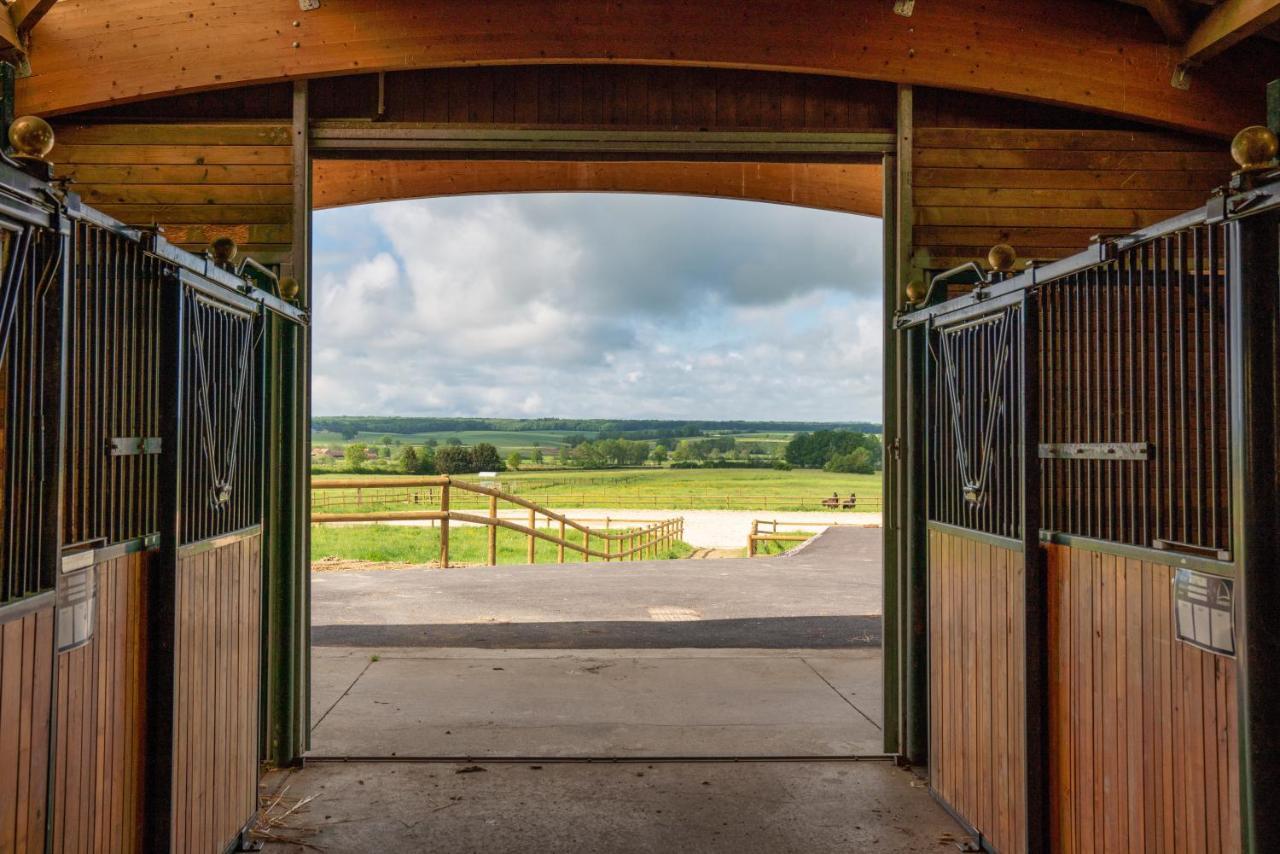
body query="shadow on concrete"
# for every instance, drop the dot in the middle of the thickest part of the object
(847, 632)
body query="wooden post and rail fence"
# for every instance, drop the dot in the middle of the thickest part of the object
(638, 544)
(773, 535)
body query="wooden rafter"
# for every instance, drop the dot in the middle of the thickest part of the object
(27, 13)
(1170, 18)
(1228, 24)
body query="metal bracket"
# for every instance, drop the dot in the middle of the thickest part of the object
(1181, 78)
(308, 5)
(129, 446)
(904, 7)
(1096, 451)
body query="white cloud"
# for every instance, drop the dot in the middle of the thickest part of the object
(597, 306)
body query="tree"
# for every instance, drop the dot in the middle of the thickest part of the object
(355, 455)
(484, 457)
(453, 459)
(857, 461)
(537, 456)
(453, 441)
(409, 462)
(432, 442)
(348, 433)
(658, 454)
(514, 461)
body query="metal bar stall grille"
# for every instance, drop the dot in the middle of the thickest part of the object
(112, 445)
(974, 442)
(221, 443)
(30, 331)
(1134, 394)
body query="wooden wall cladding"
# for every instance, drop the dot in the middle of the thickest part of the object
(853, 188)
(612, 96)
(101, 716)
(1143, 752)
(976, 690)
(26, 668)
(197, 180)
(216, 665)
(1047, 192)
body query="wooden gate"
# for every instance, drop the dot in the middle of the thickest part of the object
(131, 439)
(982, 572)
(1085, 581)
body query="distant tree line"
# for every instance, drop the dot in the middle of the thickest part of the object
(836, 450)
(350, 426)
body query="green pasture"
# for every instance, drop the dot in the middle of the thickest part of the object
(647, 488)
(417, 544)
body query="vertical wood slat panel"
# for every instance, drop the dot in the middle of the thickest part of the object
(26, 668)
(100, 714)
(1146, 761)
(216, 721)
(976, 685)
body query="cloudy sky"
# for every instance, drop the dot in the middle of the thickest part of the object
(597, 305)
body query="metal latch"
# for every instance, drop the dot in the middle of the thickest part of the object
(128, 446)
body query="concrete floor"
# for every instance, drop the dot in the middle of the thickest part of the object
(629, 808)
(482, 703)
(767, 657)
(469, 702)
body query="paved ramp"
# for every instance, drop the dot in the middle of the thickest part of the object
(825, 595)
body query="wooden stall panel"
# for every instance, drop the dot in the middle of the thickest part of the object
(1047, 192)
(216, 665)
(26, 668)
(1143, 728)
(976, 690)
(98, 780)
(196, 180)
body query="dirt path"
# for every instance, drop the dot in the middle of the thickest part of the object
(703, 529)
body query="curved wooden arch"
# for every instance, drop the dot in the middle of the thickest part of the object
(1100, 56)
(838, 187)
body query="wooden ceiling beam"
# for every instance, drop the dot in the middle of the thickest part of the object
(1085, 54)
(850, 188)
(1170, 18)
(1226, 25)
(27, 13)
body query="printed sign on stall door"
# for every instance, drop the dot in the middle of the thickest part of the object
(1204, 613)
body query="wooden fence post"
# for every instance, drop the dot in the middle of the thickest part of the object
(560, 545)
(444, 527)
(493, 531)
(586, 545)
(533, 541)
(751, 540)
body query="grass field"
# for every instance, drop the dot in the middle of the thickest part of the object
(651, 488)
(414, 544)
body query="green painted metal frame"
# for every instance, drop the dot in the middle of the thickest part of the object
(286, 641)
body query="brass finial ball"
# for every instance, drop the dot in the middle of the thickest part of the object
(1002, 257)
(31, 137)
(223, 249)
(1254, 148)
(916, 292)
(289, 288)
